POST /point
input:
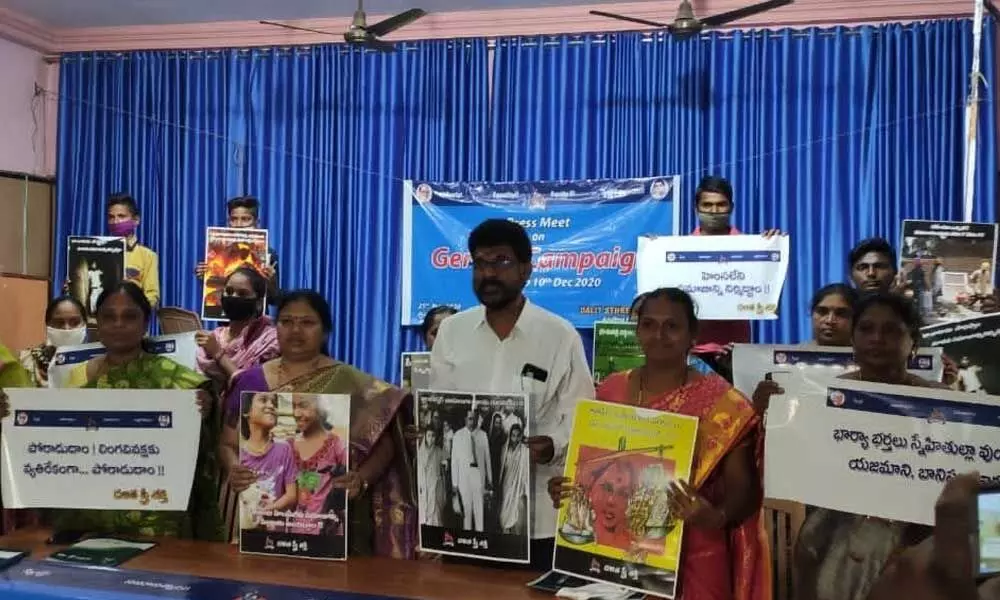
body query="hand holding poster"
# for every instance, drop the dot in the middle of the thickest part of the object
(227, 249)
(752, 363)
(474, 475)
(619, 451)
(293, 508)
(877, 450)
(95, 264)
(974, 344)
(736, 277)
(122, 452)
(69, 363)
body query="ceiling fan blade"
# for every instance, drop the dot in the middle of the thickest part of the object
(295, 27)
(391, 24)
(629, 19)
(376, 44)
(742, 13)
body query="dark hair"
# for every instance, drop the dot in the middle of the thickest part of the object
(677, 296)
(634, 309)
(248, 202)
(257, 281)
(124, 200)
(878, 246)
(55, 302)
(902, 307)
(134, 293)
(315, 301)
(246, 403)
(714, 185)
(843, 290)
(443, 310)
(501, 232)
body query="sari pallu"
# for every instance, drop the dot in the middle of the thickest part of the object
(13, 374)
(730, 564)
(382, 521)
(255, 345)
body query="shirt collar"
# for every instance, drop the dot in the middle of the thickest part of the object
(732, 231)
(520, 326)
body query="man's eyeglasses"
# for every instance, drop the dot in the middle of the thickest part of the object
(497, 264)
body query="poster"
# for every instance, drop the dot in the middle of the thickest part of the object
(227, 249)
(974, 345)
(737, 277)
(473, 475)
(583, 233)
(753, 362)
(95, 264)
(948, 268)
(293, 509)
(70, 360)
(111, 454)
(101, 552)
(615, 349)
(416, 370)
(619, 451)
(828, 438)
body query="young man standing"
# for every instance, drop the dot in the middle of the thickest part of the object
(872, 264)
(141, 263)
(509, 345)
(244, 213)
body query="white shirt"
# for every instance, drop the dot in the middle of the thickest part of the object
(469, 357)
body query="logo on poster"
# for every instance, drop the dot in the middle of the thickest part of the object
(780, 358)
(937, 416)
(164, 420)
(424, 193)
(22, 417)
(837, 398)
(449, 540)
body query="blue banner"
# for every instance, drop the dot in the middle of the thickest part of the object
(583, 232)
(32, 580)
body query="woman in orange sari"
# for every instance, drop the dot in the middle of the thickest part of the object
(725, 553)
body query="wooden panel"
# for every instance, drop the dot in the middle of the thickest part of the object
(22, 310)
(25, 226)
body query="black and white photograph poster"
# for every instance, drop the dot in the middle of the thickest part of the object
(948, 268)
(95, 263)
(416, 370)
(474, 475)
(296, 445)
(974, 344)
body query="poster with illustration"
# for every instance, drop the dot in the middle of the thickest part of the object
(96, 263)
(617, 526)
(297, 446)
(227, 249)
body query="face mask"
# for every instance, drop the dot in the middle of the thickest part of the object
(65, 337)
(239, 309)
(123, 228)
(713, 221)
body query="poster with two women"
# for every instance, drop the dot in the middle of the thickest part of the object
(618, 524)
(296, 446)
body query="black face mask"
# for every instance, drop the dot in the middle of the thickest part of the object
(238, 308)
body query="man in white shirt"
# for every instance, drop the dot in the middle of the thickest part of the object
(471, 471)
(509, 345)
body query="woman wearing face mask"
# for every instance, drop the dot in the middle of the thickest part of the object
(65, 325)
(248, 340)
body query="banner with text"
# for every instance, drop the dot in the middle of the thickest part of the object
(583, 234)
(734, 277)
(69, 363)
(752, 363)
(878, 450)
(975, 345)
(121, 452)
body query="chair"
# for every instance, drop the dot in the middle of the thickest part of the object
(783, 520)
(174, 319)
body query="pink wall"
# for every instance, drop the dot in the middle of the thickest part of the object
(24, 115)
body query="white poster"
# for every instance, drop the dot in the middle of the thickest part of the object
(737, 277)
(873, 449)
(753, 362)
(99, 449)
(178, 347)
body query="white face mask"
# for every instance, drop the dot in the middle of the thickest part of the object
(65, 337)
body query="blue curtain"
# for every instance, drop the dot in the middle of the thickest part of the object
(833, 135)
(323, 135)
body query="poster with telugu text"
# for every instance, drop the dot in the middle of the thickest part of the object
(617, 526)
(737, 277)
(296, 444)
(69, 363)
(95, 263)
(121, 452)
(583, 235)
(974, 345)
(616, 348)
(227, 249)
(416, 370)
(877, 450)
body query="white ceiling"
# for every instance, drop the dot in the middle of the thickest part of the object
(106, 13)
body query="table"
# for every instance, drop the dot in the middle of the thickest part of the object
(375, 577)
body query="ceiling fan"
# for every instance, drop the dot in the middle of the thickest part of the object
(687, 24)
(363, 34)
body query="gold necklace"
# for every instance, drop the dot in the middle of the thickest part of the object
(283, 374)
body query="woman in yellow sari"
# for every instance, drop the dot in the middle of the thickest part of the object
(724, 554)
(380, 487)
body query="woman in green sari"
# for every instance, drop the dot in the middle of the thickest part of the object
(380, 487)
(123, 317)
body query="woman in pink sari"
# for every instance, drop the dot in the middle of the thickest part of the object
(725, 553)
